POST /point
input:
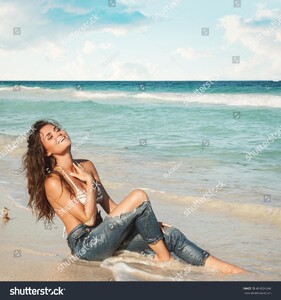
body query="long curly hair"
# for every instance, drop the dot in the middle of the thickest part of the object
(37, 167)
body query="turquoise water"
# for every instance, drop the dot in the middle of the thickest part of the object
(152, 126)
(173, 141)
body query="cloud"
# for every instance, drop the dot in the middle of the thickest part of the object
(265, 13)
(49, 49)
(75, 12)
(84, 69)
(261, 37)
(89, 47)
(133, 70)
(42, 21)
(63, 32)
(191, 53)
(118, 31)
(105, 46)
(74, 69)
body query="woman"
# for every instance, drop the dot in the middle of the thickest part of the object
(72, 189)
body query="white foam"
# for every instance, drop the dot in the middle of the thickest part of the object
(133, 266)
(188, 99)
(99, 95)
(125, 272)
(5, 182)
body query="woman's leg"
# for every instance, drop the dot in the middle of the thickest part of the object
(103, 241)
(191, 253)
(214, 263)
(133, 200)
(186, 250)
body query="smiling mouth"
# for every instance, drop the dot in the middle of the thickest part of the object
(61, 140)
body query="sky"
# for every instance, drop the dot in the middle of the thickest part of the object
(140, 40)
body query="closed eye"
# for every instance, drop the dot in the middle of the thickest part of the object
(49, 136)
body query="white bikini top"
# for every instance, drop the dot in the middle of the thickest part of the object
(80, 195)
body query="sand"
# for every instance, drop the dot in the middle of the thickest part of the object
(31, 252)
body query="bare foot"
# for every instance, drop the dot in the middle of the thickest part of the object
(223, 267)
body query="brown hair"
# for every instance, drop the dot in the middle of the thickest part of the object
(37, 167)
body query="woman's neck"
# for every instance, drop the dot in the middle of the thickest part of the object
(65, 162)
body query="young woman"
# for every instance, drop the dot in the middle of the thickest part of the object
(72, 189)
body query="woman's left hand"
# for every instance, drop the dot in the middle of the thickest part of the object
(162, 225)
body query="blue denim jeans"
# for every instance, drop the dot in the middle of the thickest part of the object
(131, 231)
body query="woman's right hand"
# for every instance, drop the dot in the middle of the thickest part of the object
(82, 175)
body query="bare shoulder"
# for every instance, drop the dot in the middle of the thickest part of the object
(53, 185)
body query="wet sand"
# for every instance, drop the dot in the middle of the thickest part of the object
(31, 252)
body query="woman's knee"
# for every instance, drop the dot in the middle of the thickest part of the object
(140, 195)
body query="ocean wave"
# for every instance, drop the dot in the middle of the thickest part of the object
(256, 212)
(133, 266)
(186, 98)
(24, 88)
(100, 95)
(250, 211)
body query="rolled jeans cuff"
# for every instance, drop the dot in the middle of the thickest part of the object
(204, 258)
(154, 240)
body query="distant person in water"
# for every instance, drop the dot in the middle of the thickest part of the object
(72, 189)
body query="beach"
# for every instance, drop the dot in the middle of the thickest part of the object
(210, 164)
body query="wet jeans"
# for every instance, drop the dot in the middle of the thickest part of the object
(131, 231)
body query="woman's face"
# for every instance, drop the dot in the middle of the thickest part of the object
(54, 140)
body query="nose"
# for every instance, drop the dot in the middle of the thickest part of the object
(58, 134)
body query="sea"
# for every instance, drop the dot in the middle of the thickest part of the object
(177, 140)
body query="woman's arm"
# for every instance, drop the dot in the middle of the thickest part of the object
(107, 204)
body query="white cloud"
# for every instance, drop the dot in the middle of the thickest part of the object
(74, 69)
(12, 15)
(7, 8)
(191, 53)
(118, 31)
(133, 70)
(49, 49)
(266, 13)
(89, 47)
(105, 46)
(263, 42)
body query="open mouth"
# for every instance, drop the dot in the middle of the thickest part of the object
(61, 140)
